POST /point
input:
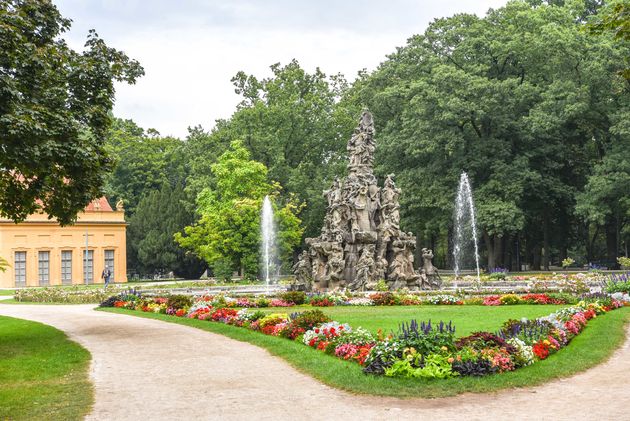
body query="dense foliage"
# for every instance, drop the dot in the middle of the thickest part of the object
(532, 108)
(55, 106)
(151, 246)
(529, 100)
(227, 234)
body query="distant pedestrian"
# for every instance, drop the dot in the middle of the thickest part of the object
(106, 275)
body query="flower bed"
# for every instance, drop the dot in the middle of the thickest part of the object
(73, 295)
(383, 299)
(418, 350)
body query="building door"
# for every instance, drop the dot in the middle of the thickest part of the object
(88, 267)
(43, 266)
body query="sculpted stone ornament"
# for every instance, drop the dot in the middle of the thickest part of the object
(365, 269)
(361, 241)
(303, 271)
(429, 276)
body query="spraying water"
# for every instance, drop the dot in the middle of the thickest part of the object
(465, 225)
(268, 240)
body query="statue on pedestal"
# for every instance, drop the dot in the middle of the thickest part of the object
(361, 241)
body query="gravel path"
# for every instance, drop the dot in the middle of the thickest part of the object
(148, 369)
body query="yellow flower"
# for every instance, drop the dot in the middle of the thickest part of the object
(444, 348)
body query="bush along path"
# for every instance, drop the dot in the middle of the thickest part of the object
(424, 350)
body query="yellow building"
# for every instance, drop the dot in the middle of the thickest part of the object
(40, 252)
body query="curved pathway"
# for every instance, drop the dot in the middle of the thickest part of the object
(148, 369)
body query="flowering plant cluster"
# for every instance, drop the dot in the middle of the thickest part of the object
(444, 299)
(419, 350)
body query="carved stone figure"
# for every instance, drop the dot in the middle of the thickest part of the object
(303, 271)
(365, 269)
(429, 276)
(335, 265)
(361, 241)
(120, 206)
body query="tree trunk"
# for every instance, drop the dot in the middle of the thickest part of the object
(546, 241)
(591, 243)
(517, 252)
(611, 243)
(536, 257)
(490, 247)
(498, 252)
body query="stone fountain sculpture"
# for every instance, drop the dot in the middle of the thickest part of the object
(361, 241)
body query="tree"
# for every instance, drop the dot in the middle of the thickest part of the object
(614, 19)
(55, 106)
(142, 163)
(293, 124)
(159, 215)
(227, 234)
(522, 99)
(3, 264)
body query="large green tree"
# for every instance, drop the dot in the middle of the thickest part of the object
(143, 162)
(293, 124)
(522, 99)
(614, 19)
(55, 106)
(159, 215)
(227, 234)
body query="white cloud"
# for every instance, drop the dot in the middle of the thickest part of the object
(191, 54)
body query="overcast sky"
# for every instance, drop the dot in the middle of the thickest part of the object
(190, 49)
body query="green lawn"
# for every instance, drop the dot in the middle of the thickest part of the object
(466, 319)
(593, 346)
(43, 375)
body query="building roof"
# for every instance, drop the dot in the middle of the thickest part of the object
(101, 205)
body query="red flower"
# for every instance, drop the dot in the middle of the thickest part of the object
(541, 350)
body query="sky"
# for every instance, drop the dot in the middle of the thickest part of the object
(190, 49)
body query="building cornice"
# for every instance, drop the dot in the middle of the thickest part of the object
(109, 223)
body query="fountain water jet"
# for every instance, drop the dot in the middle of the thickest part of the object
(465, 225)
(268, 234)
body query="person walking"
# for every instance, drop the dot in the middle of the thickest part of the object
(106, 275)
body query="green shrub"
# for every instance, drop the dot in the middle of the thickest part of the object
(382, 286)
(510, 299)
(384, 299)
(474, 301)
(567, 262)
(310, 318)
(262, 302)
(295, 297)
(179, 301)
(272, 319)
(564, 297)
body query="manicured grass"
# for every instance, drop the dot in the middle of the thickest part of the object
(593, 346)
(467, 319)
(43, 375)
(7, 291)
